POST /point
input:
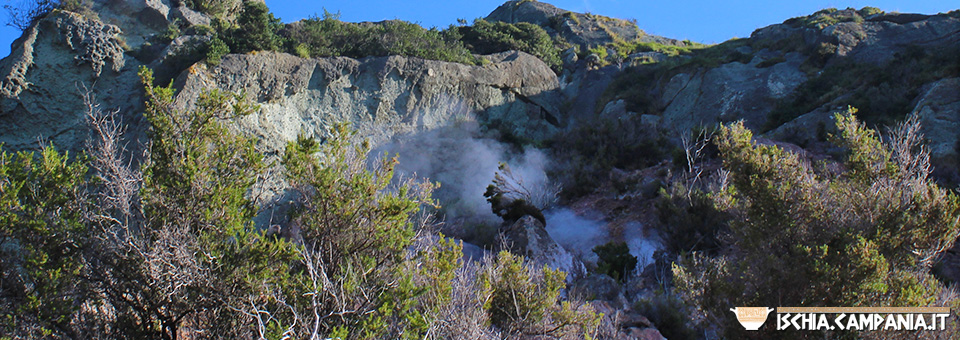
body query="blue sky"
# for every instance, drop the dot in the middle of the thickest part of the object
(703, 21)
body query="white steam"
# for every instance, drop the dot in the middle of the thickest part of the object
(464, 164)
(579, 235)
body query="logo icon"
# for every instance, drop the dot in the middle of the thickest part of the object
(751, 317)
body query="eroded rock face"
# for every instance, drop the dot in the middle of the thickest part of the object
(939, 112)
(876, 40)
(55, 61)
(729, 92)
(380, 96)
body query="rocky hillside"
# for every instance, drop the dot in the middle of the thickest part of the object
(607, 129)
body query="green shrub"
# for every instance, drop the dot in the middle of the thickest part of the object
(669, 314)
(868, 11)
(256, 30)
(689, 220)
(172, 32)
(196, 162)
(863, 236)
(216, 49)
(215, 8)
(328, 36)
(486, 37)
(43, 232)
(521, 300)
(615, 260)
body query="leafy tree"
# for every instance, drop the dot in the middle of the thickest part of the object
(860, 234)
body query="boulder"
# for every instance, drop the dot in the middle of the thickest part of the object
(938, 108)
(727, 93)
(596, 287)
(528, 237)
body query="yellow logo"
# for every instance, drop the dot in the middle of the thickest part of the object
(752, 317)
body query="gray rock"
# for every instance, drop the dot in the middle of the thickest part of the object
(597, 287)
(381, 97)
(529, 238)
(41, 81)
(569, 57)
(876, 40)
(189, 16)
(729, 92)
(535, 12)
(642, 334)
(808, 128)
(586, 30)
(938, 108)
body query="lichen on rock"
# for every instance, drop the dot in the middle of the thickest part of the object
(96, 42)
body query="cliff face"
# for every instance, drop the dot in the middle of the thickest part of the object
(51, 63)
(65, 53)
(381, 96)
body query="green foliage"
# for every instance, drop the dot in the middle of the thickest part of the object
(689, 220)
(328, 36)
(196, 162)
(615, 260)
(172, 32)
(256, 29)
(216, 49)
(521, 300)
(860, 237)
(829, 17)
(357, 228)
(42, 234)
(596, 147)
(624, 48)
(192, 164)
(668, 314)
(486, 37)
(868, 11)
(215, 8)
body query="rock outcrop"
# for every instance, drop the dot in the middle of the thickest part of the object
(528, 237)
(938, 109)
(727, 93)
(380, 96)
(51, 64)
(585, 30)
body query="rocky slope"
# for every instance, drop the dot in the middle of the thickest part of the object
(785, 80)
(580, 29)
